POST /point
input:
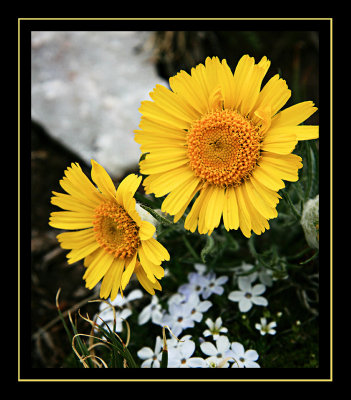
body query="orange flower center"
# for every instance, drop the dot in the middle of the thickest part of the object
(115, 230)
(224, 147)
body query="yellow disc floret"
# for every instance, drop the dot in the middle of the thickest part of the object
(223, 147)
(115, 230)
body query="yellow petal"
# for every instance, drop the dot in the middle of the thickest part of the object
(97, 269)
(244, 216)
(190, 89)
(284, 166)
(145, 282)
(230, 210)
(190, 222)
(161, 184)
(225, 79)
(118, 266)
(82, 252)
(146, 230)
(76, 239)
(252, 86)
(262, 174)
(77, 184)
(179, 196)
(146, 264)
(102, 180)
(271, 197)
(127, 188)
(70, 220)
(155, 250)
(69, 203)
(151, 165)
(180, 213)
(171, 103)
(275, 93)
(294, 115)
(215, 207)
(157, 113)
(307, 132)
(258, 202)
(281, 140)
(129, 269)
(151, 130)
(258, 223)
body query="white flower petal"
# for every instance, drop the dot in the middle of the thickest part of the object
(259, 301)
(204, 306)
(238, 349)
(221, 280)
(258, 289)
(145, 353)
(187, 348)
(223, 344)
(245, 304)
(235, 295)
(208, 348)
(251, 355)
(144, 316)
(147, 363)
(244, 284)
(251, 364)
(197, 362)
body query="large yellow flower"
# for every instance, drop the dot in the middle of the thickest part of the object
(107, 231)
(216, 137)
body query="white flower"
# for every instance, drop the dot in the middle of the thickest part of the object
(264, 328)
(179, 355)
(213, 285)
(178, 318)
(197, 307)
(200, 268)
(264, 275)
(152, 311)
(197, 283)
(110, 311)
(215, 328)
(242, 358)
(218, 353)
(248, 295)
(151, 357)
(120, 301)
(107, 316)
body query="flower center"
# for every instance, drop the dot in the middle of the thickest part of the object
(223, 147)
(115, 230)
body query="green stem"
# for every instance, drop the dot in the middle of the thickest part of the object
(296, 214)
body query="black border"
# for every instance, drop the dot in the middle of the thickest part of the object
(323, 26)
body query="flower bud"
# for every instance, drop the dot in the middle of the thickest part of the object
(310, 222)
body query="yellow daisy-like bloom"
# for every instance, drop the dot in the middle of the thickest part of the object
(218, 136)
(107, 231)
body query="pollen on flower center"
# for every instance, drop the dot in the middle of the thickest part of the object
(223, 147)
(115, 230)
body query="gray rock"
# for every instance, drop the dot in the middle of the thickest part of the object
(87, 88)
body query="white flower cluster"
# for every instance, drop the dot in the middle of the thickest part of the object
(222, 354)
(185, 309)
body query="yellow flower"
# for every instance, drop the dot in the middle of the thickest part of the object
(107, 231)
(216, 137)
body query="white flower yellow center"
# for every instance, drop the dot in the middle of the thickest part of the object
(224, 147)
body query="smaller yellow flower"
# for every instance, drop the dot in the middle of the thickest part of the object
(107, 231)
